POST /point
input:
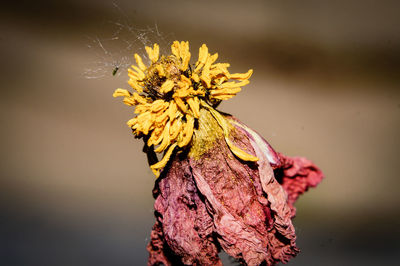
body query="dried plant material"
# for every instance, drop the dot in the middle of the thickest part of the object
(221, 185)
(169, 82)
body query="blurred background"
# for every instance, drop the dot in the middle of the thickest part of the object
(76, 188)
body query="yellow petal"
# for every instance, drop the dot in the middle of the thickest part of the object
(131, 122)
(158, 105)
(175, 129)
(172, 110)
(223, 97)
(195, 77)
(135, 85)
(121, 92)
(160, 71)
(139, 62)
(137, 74)
(141, 108)
(156, 51)
(166, 139)
(161, 118)
(240, 76)
(205, 74)
(234, 84)
(187, 132)
(225, 91)
(180, 104)
(175, 49)
(225, 127)
(167, 86)
(185, 55)
(156, 137)
(129, 101)
(156, 168)
(139, 99)
(203, 53)
(194, 106)
(186, 80)
(153, 52)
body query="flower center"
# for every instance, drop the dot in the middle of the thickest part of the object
(170, 93)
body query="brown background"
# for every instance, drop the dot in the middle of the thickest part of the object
(76, 188)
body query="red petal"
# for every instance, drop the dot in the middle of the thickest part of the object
(297, 175)
(184, 230)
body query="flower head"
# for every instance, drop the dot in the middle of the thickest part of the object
(170, 92)
(223, 186)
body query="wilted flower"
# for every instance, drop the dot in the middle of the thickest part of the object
(221, 184)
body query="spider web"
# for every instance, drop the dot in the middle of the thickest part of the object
(114, 53)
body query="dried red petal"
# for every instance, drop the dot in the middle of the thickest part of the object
(208, 199)
(184, 230)
(297, 175)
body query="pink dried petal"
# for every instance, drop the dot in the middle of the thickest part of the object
(251, 226)
(183, 224)
(276, 195)
(239, 217)
(210, 199)
(297, 175)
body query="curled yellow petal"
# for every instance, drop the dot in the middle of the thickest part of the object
(240, 76)
(166, 139)
(131, 122)
(205, 74)
(203, 53)
(187, 132)
(138, 98)
(139, 62)
(161, 118)
(135, 85)
(153, 52)
(175, 49)
(167, 86)
(172, 110)
(160, 71)
(175, 129)
(137, 74)
(225, 127)
(129, 101)
(195, 77)
(185, 55)
(156, 168)
(158, 105)
(234, 84)
(121, 92)
(180, 104)
(156, 137)
(194, 106)
(224, 96)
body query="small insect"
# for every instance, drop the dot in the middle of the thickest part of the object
(115, 70)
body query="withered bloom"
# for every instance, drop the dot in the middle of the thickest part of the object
(220, 185)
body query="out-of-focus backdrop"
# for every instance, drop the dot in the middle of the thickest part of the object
(75, 186)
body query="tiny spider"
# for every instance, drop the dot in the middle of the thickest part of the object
(115, 70)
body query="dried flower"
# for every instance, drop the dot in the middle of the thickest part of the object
(221, 184)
